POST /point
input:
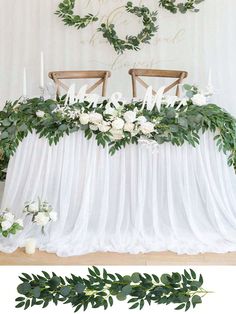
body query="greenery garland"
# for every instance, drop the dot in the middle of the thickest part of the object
(183, 7)
(66, 12)
(53, 120)
(132, 42)
(100, 288)
(149, 18)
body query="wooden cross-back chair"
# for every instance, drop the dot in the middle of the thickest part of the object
(102, 77)
(136, 73)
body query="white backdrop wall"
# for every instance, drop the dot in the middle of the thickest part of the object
(193, 42)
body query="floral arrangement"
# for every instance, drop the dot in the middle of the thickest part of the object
(100, 289)
(66, 12)
(9, 224)
(41, 211)
(115, 124)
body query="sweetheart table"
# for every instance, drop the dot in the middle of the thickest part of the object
(141, 199)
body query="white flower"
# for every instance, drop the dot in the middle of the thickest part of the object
(33, 207)
(117, 134)
(130, 116)
(41, 219)
(118, 124)
(20, 222)
(199, 100)
(9, 217)
(129, 127)
(6, 225)
(93, 127)
(141, 119)
(46, 207)
(104, 127)
(95, 118)
(40, 113)
(111, 111)
(84, 118)
(53, 216)
(147, 127)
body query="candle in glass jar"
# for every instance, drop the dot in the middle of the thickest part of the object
(30, 246)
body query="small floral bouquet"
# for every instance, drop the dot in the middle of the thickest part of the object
(8, 223)
(41, 211)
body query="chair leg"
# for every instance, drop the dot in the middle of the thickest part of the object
(104, 86)
(134, 86)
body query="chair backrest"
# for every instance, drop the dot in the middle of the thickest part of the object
(136, 73)
(102, 77)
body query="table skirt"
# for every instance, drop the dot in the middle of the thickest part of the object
(181, 199)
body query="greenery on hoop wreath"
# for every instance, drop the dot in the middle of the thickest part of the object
(183, 7)
(132, 42)
(149, 18)
(66, 12)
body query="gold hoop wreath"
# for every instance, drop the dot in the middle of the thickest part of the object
(149, 19)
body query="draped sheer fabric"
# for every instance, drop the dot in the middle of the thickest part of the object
(139, 200)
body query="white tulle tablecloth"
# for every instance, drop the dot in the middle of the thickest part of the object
(181, 199)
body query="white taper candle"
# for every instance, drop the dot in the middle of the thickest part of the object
(24, 83)
(42, 70)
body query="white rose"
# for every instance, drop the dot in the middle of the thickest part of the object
(41, 219)
(95, 118)
(111, 111)
(118, 124)
(104, 127)
(53, 216)
(117, 134)
(33, 207)
(141, 119)
(84, 118)
(6, 225)
(20, 222)
(93, 127)
(199, 100)
(9, 217)
(130, 116)
(40, 114)
(147, 127)
(129, 127)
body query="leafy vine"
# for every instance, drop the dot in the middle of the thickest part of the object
(66, 12)
(182, 7)
(100, 289)
(115, 127)
(132, 42)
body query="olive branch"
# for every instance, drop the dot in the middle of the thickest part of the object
(100, 289)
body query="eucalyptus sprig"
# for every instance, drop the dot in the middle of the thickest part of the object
(182, 7)
(101, 289)
(132, 42)
(66, 12)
